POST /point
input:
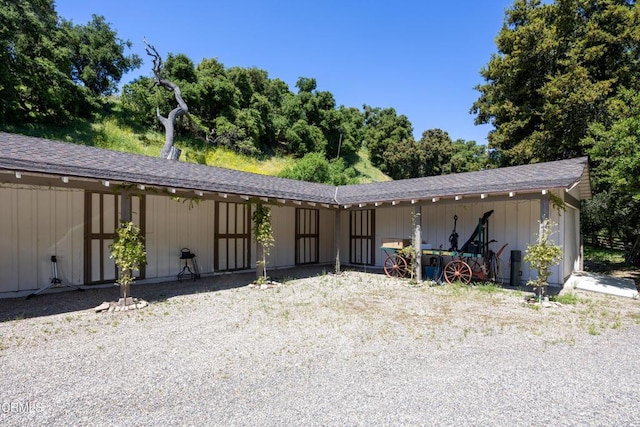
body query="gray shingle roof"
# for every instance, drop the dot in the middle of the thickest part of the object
(558, 174)
(30, 154)
(18, 152)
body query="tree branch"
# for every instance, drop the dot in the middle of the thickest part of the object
(168, 150)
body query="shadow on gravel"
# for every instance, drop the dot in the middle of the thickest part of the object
(58, 302)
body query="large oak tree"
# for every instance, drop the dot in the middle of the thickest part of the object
(556, 67)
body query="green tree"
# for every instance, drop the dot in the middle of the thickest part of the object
(314, 167)
(35, 82)
(383, 127)
(556, 67)
(263, 233)
(613, 146)
(140, 103)
(98, 61)
(345, 138)
(128, 252)
(543, 255)
(468, 157)
(402, 159)
(435, 151)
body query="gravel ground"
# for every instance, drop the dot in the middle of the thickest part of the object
(352, 349)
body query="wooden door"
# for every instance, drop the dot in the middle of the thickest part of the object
(362, 237)
(102, 217)
(307, 237)
(232, 236)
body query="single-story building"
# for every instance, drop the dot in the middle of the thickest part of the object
(66, 200)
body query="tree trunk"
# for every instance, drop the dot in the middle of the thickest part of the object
(125, 290)
(168, 150)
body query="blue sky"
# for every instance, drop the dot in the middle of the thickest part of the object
(422, 58)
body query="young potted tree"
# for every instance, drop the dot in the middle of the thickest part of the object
(263, 234)
(128, 252)
(543, 255)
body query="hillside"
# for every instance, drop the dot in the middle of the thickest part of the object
(111, 132)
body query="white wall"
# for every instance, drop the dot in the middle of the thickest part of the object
(283, 220)
(36, 223)
(515, 222)
(327, 236)
(391, 222)
(171, 226)
(572, 260)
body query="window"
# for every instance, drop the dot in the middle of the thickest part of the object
(361, 237)
(232, 236)
(307, 236)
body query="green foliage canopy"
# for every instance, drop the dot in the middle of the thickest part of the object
(557, 65)
(314, 167)
(51, 70)
(98, 61)
(263, 233)
(543, 255)
(128, 252)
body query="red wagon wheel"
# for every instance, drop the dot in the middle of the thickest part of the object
(395, 266)
(457, 271)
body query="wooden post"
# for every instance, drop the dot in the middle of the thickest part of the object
(417, 239)
(336, 240)
(544, 207)
(259, 268)
(125, 216)
(125, 206)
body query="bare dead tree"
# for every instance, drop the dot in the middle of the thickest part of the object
(168, 150)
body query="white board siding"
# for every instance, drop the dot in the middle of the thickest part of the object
(283, 222)
(513, 221)
(327, 236)
(171, 226)
(391, 222)
(36, 223)
(572, 261)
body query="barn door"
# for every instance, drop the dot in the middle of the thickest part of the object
(102, 216)
(232, 236)
(307, 238)
(361, 237)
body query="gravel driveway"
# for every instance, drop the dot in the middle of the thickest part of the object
(352, 349)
